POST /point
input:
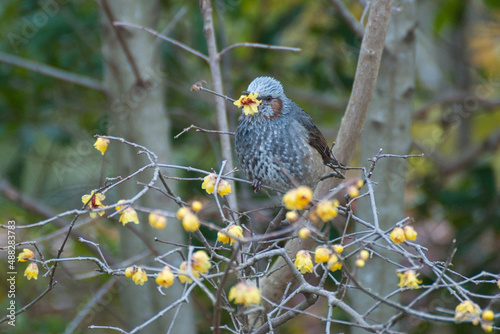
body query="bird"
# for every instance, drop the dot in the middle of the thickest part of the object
(277, 143)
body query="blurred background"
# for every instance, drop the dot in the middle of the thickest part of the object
(47, 124)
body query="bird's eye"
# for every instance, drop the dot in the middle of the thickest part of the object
(269, 98)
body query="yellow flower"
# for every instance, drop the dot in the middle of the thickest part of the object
(244, 294)
(208, 184)
(488, 315)
(196, 206)
(360, 263)
(140, 277)
(487, 327)
(249, 103)
(25, 255)
(409, 279)
(224, 188)
(364, 255)
(95, 202)
(303, 262)
(326, 210)
(201, 262)
(130, 271)
(333, 263)
(165, 278)
(181, 212)
(322, 254)
(184, 270)
(229, 234)
(157, 220)
(190, 222)
(360, 184)
(304, 233)
(397, 235)
(129, 215)
(338, 248)
(298, 198)
(101, 144)
(410, 233)
(467, 310)
(353, 191)
(292, 216)
(31, 271)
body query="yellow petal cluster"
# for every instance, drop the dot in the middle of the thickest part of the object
(292, 216)
(410, 233)
(140, 277)
(158, 221)
(165, 278)
(25, 255)
(408, 279)
(31, 271)
(244, 294)
(229, 234)
(322, 254)
(303, 262)
(101, 144)
(467, 310)
(196, 206)
(223, 188)
(327, 209)
(201, 261)
(304, 233)
(334, 263)
(298, 198)
(338, 248)
(127, 215)
(397, 235)
(95, 202)
(249, 103)
(190, 222)
(183, 269)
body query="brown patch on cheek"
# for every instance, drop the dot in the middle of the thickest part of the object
(277, 106)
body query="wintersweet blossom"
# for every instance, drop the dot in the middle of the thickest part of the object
(292, 216)
(338, 248)
(165, 278)
(127, 215)
(31, 271)
(408, 279)
(196, 206)
(304, 233)
(303, 262)
(364, 254)
(157, 220)
(322, 254)
(101, 144)
(326, 210)
(467, 310)
(190, 222)
(410, 233)
(94, 201)
(397, 235)
(334, 263)
(223, 188)
(244, 294)
(183, 269)
(201, 261)
(140, 277)
(25, 255)
(249, 103)
(229, 234)
(298, 198)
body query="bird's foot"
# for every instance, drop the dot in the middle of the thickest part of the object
(256, 185)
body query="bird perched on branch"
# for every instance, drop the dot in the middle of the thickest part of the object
(276, 141)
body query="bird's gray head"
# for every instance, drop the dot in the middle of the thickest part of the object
(270, 92)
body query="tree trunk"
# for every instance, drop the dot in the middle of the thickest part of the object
(388, 127)
(135, 90)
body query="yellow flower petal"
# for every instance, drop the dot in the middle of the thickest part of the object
(165, 278)
(408, 279)
(157, 221)
(201, 262)
(190, 222)
(410, 233)
(326, 210)
(101, 144)
(303, 262)
(334, 263)
(322, 254)
(249, 103)
(140, 277)
(397, 235)
(298, 198)
(25, 255)
(31, 271)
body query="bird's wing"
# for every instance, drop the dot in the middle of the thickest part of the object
(316, 138)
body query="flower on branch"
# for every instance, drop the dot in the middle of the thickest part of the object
(303, 262)
(183, 269)
(410, 233)
(157, 220)
(165, 278)
(95, 202)
(397, 235)
(322, 254)
(201, 261)
(487, 318)
(304, 233)
(127, 215)
(327, 210)
(409, 279)
(467, 310)
(334, 263)
(25, 255)
(196, 206)
(209, 181)
(140, 277)
(31, 271)
(249, 103)
(190, 222)
(244, 294)
(338, 248)
(292, 216)
(229, 234)
(101, 144)
(130, 271)
(364, 255)
(298, 198)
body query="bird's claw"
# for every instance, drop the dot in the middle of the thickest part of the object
(256, 185)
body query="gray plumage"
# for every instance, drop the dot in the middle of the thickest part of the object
(280, 143)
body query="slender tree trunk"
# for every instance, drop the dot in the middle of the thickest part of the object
(388, 127)
(135, 89)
